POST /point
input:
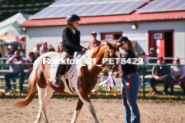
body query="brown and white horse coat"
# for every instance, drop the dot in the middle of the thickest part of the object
(81, 80)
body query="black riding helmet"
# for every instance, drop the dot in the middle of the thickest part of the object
(71, 18)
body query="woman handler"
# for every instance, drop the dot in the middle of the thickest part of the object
(70, 43)
(130, 82)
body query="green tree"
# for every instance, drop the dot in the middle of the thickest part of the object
(9, 8)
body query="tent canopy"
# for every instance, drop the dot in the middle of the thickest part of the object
(10, 25)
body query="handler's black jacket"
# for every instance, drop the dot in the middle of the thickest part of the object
(129, 68)
(71, 41)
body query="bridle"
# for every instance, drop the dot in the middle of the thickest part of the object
(108, 56)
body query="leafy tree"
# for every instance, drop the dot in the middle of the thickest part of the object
(9, 8)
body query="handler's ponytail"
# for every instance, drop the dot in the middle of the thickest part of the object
(131, 47)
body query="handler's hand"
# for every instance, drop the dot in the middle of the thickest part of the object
(120, 74)
(116, 74)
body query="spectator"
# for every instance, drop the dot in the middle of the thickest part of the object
(37, 55)
(44, 48)
(59, 48)
(51, 48)
(152, 54)
(31, 59)
(145, 61)
(94, 42)
(160, 75)
(10, 51)
(177, 73)
(105, 72)
(17, 71)
(143, 55)
(36, 49)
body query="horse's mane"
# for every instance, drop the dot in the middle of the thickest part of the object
(96, 49)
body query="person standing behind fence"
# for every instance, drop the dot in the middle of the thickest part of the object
(44, 48)
(130, 83)
(51, 48)
(59, 48)
(152, 54)
(31, 60)
(10, 51)
(17, 70)
(160, 75)
(177, 73)
(36, 49)
(145, 61)
(94, 42)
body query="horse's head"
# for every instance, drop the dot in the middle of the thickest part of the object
(107, 52)
(112, 53)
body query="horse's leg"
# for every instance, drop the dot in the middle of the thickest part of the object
(85, 99)
(41, 96)
(77, 111)
(48, 94)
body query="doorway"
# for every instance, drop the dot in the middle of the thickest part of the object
(162, 42)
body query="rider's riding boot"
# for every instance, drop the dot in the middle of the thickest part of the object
(60, 71)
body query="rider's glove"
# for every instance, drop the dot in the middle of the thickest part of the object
(83, 50)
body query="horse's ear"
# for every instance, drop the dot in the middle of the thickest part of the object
(120, 44)
(109, 45)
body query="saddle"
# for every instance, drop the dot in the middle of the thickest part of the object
(62, 69)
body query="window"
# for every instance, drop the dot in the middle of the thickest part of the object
(111, 36)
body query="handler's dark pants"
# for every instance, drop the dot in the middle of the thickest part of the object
(129, 97)
(11, 75)
(165, 81)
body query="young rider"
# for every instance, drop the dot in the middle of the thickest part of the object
(70, 44)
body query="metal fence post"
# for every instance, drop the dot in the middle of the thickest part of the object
(143, 66)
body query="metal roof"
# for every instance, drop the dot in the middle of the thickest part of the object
(134, 17)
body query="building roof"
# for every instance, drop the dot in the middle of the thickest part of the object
(134, 17)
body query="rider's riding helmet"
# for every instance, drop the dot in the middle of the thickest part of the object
(71, 18)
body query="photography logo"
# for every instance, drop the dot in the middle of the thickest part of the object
(89, 61)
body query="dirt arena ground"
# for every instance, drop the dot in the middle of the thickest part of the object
(108, 111)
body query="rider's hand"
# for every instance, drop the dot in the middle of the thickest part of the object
(83, 50)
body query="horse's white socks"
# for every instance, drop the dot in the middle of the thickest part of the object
(75, 116)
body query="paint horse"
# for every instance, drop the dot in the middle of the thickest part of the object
(81, 80)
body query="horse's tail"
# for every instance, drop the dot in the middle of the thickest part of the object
(31, 91)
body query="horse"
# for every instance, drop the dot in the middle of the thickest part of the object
(82, 79)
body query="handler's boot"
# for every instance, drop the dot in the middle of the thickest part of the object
(60, 71)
